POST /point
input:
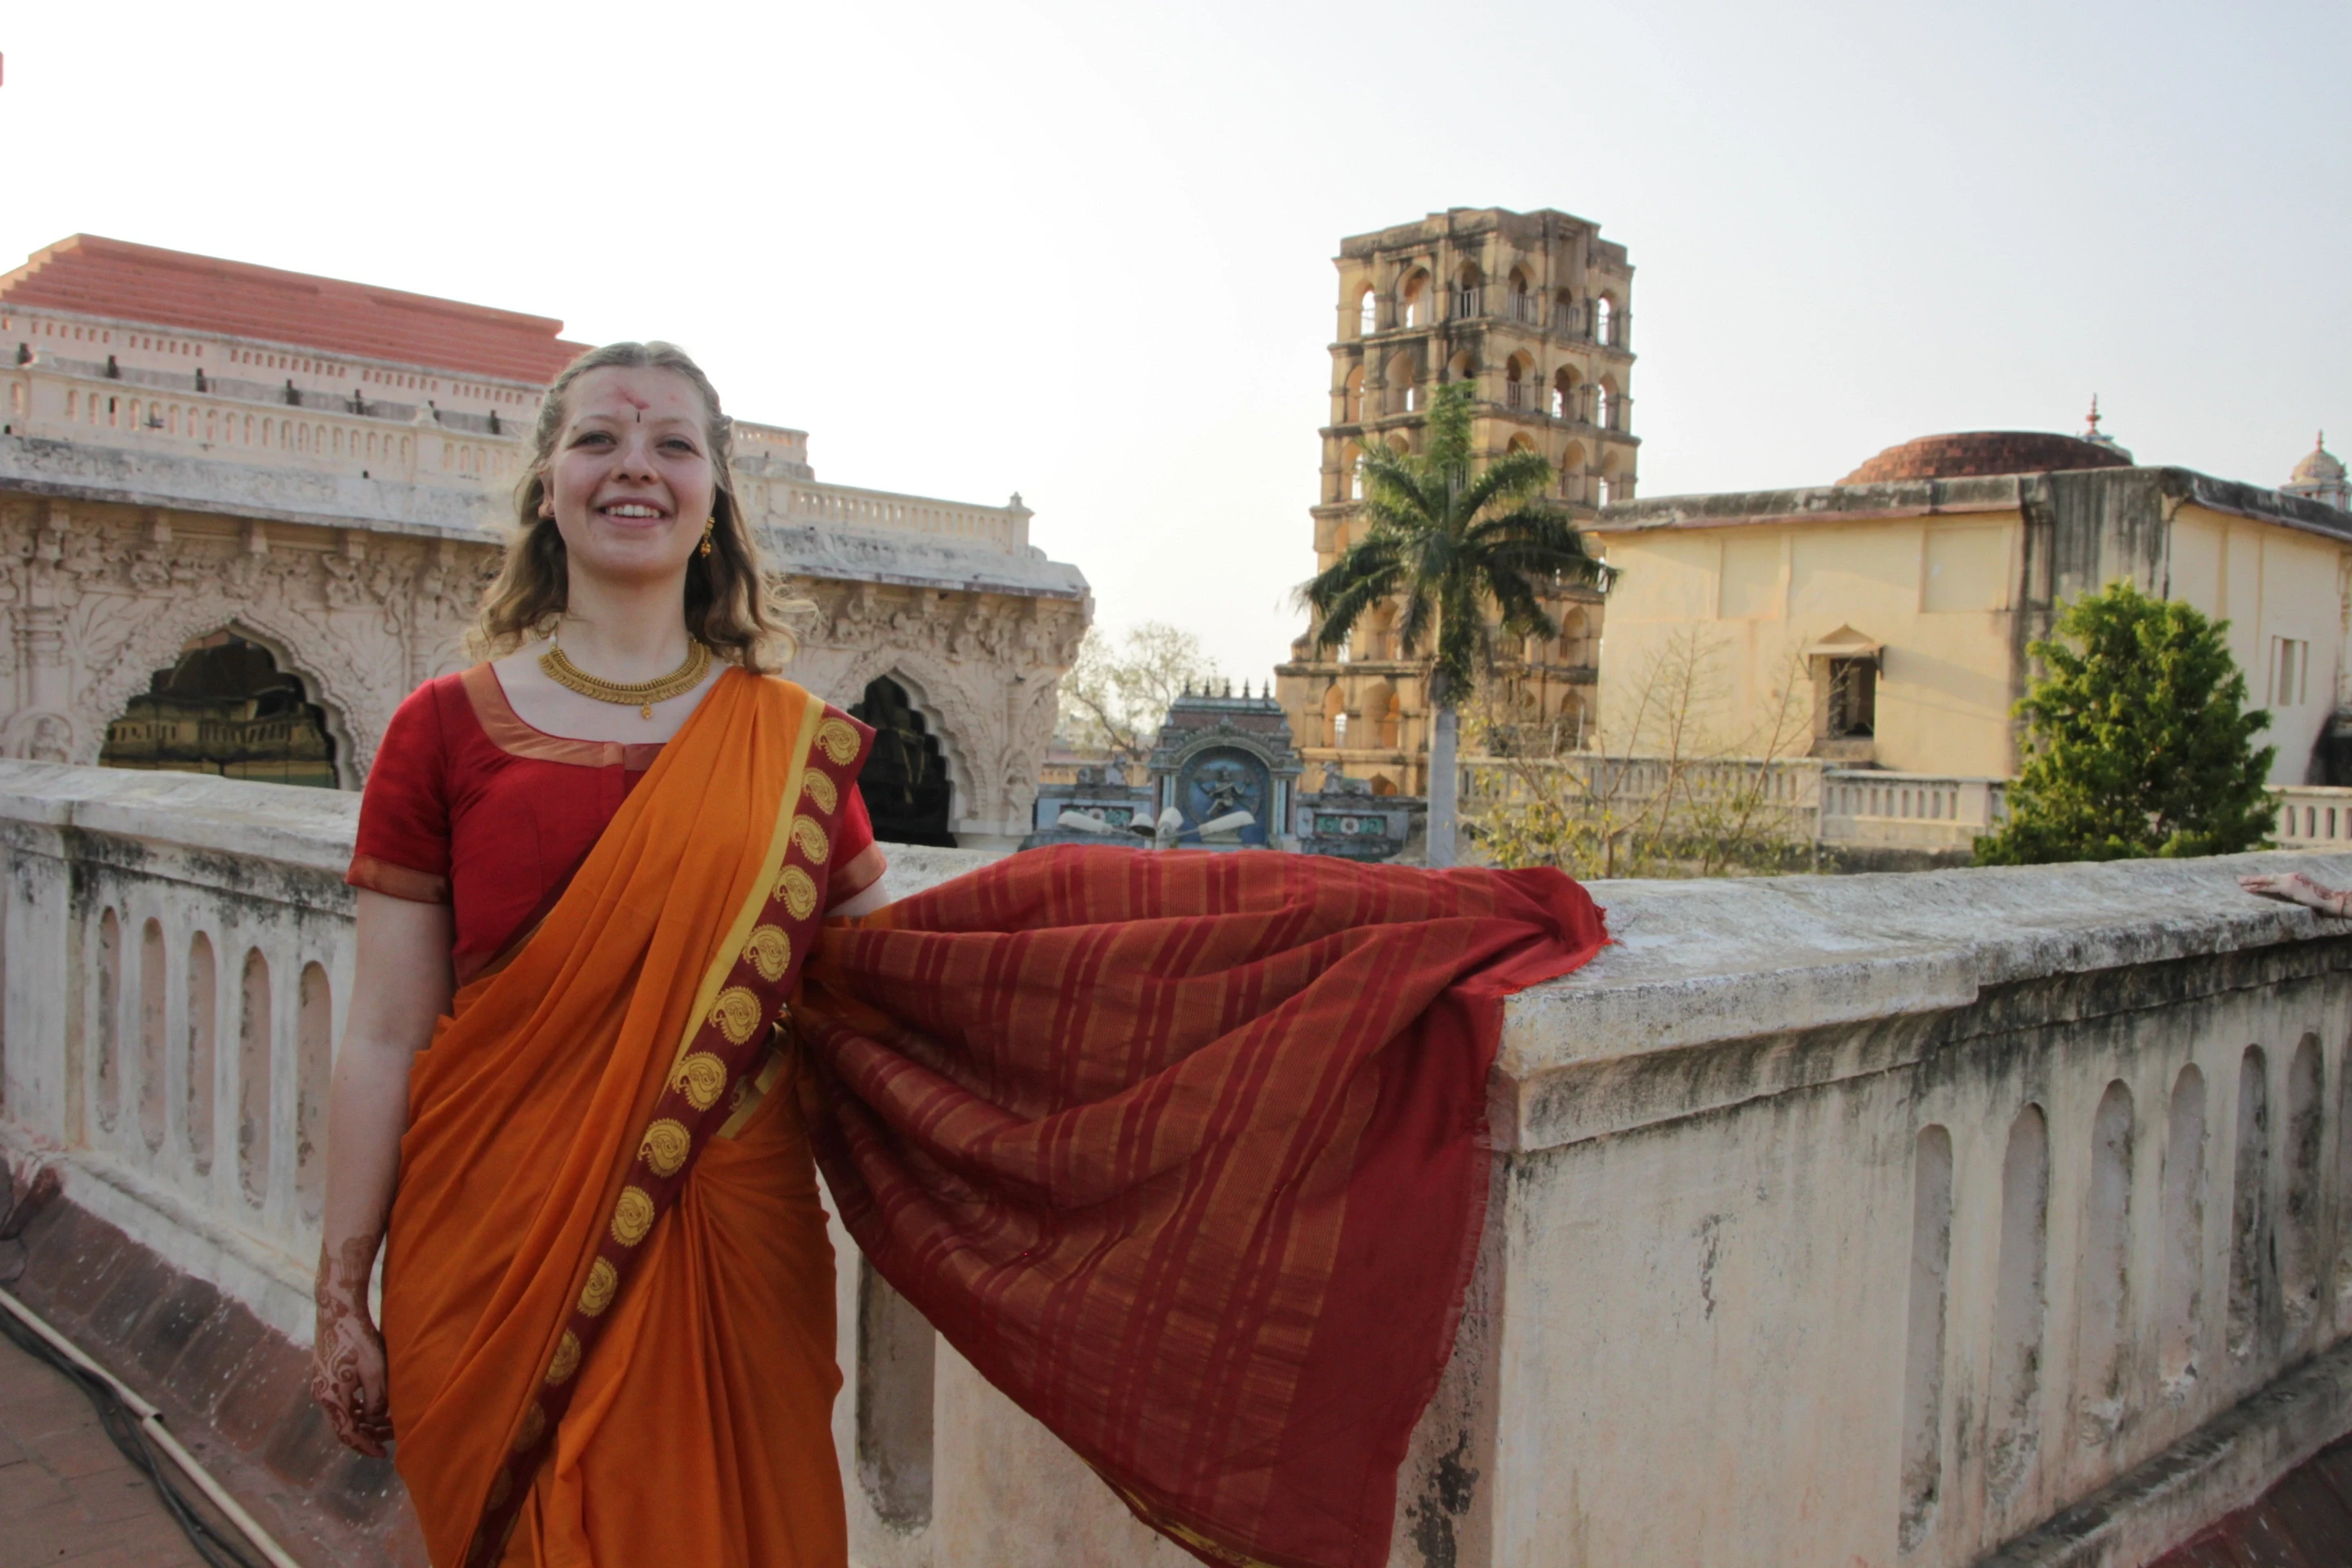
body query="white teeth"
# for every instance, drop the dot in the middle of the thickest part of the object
(630, 511)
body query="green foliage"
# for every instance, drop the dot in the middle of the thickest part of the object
(1669, 796)
(2139, 741)
(1116, 696)
(1444, 545)
(1734, 835)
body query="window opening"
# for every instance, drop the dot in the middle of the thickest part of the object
(1853, 689)
(905, 782)
(226, 708)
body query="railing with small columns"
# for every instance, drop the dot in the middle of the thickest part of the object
(795, 501)
(2011, 1192)
(1868, 806)
(80, 405)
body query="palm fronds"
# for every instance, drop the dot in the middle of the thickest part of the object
(1444, 546)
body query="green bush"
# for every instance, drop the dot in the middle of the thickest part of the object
(2139, 740)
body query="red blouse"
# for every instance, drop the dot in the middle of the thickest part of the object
(469, 806)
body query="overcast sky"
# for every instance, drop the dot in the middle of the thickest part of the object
(1083, 252)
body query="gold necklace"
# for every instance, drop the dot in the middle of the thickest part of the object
(641, 695)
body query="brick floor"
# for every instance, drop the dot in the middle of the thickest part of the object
(235, 1392)
(67, 1494)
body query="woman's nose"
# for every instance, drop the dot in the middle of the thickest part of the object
(637, 456)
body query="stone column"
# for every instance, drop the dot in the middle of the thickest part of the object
(43, 678)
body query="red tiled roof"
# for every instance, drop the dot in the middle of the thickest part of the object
(172, 288)
(1984, 452)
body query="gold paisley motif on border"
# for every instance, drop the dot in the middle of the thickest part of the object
(838, 740)
(770, 953)
(633, 1216)
(567, 1360)
(665, 1146)
(797, 889)
(699, 1077)
(820, 789)
(501, 1485)
(533, 1428)
(603, 1281)
(809, 834)
(737, 1012)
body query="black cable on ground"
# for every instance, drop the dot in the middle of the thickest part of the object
(130, 1434)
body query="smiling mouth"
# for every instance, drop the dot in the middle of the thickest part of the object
(635, 511)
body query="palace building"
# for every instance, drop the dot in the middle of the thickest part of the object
(244, 512)
(1535, 310)
(1898, 605)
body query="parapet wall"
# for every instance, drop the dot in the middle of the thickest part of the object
(1867, 1220)
(1883, 1219)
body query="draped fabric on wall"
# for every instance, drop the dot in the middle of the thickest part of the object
(1186, 1152)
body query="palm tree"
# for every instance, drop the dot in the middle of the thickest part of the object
(1449, 546)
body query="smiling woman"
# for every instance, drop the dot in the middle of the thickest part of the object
(653, 401)
(589, 872)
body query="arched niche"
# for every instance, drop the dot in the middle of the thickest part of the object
(227, 705)
(905, 783)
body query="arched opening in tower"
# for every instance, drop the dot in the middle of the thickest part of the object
(906, 779)
(225, 708)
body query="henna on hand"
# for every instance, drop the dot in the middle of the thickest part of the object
(347, 1358)
(2296, 887)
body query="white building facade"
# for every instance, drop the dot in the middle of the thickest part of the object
(193, 450)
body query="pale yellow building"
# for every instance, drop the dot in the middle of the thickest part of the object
(1535, 310)
(1899, 603)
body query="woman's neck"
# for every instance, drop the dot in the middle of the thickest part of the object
(625, 633)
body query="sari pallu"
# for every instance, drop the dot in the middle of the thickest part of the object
(1185, 1153)
(608, 1291)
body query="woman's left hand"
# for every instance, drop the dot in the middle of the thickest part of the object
(348, 1378)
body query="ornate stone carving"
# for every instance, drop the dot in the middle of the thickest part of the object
(982, 667)
(96, 599)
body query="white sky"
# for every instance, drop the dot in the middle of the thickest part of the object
(1083, 252)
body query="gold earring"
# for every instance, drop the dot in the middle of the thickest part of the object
(708, 525)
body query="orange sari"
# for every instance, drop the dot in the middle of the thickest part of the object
(609, 1295)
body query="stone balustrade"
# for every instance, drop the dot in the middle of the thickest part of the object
(1863, 805)
(247, 423)
(250, 423)
(175, 953)
(2313, 817)
(1932, 1219)
(796, 503)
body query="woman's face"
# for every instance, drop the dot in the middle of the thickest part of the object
(631, 481)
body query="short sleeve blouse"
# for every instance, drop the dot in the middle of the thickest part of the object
(469, 806)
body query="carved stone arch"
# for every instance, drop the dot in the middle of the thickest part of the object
(947, 712)
(332, 681)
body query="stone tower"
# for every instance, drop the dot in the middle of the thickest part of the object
(1534, 309)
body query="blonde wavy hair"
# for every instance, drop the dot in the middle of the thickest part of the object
(732, 603)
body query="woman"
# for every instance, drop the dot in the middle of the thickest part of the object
(1184, 1151)
(588, 873)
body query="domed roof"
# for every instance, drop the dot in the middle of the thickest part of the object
(1978, 452)
(2321, 468)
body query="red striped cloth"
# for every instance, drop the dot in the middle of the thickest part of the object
(1184, 1151)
